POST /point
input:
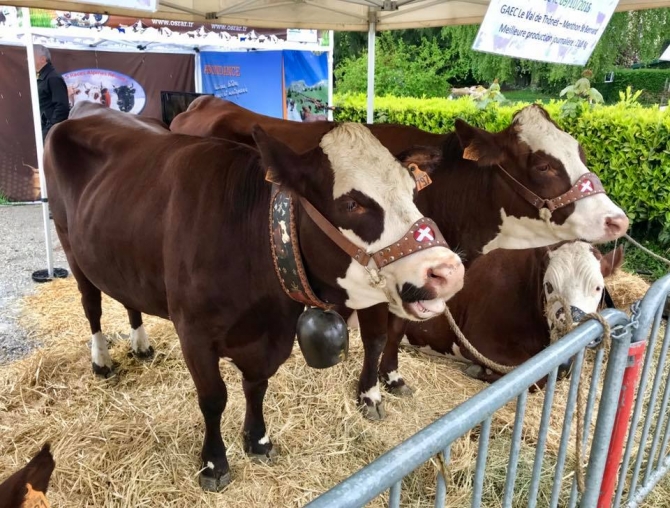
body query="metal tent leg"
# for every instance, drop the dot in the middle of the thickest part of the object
(371, 66)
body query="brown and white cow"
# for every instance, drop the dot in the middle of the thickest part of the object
(173, 226)
(501, 308)
(475, 203)
(28, 486)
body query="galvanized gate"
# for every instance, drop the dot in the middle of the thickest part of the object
(604, 443)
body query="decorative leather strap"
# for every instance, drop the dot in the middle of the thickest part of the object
(423, 235)
(286, 250)
(335, 234)
(586, 185)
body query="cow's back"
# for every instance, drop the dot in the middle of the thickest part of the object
(121, 192)
(214, 117)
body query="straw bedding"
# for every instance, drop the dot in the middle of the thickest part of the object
(135, 440)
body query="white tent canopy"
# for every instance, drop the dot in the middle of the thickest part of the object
(354, 15)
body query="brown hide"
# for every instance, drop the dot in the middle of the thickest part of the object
(35, 473)
(464, 199)
(499, 310)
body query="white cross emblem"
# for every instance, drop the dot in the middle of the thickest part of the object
(587, 186)
(423, 234)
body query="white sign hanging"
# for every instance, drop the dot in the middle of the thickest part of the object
(666, 55)
(135, 5)
(555, 31)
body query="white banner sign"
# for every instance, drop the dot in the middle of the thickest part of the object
(555, 31)
(136, 5)
(666, 55)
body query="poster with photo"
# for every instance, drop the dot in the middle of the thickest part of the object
(109, 88)
(306, 86)
(251, 79)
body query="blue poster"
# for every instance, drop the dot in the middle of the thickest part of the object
(251, 79)
(306, 82)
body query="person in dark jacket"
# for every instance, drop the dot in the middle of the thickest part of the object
(51, 89)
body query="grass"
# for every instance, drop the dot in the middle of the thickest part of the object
(3, 199)
(526, 96)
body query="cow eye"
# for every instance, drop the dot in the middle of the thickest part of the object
(549, 287)
(350, 205)
(543, 168)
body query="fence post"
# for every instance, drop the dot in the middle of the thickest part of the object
(602, 434)
(622, 419)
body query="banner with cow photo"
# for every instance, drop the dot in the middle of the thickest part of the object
(306, 85)
(129, 82)
(251, 79)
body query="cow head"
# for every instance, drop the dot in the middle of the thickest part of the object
(548, 162)
(367, 194)
(576, 272)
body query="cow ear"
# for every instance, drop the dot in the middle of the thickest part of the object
(427, 158)
(283, 166)
(611, 261)
(478, 145)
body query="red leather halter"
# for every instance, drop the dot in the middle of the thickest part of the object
(586, 185)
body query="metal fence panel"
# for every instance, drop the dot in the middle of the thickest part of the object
(632, 478)
(389, 469)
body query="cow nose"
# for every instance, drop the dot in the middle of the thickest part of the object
(616, 225)
(441, 275)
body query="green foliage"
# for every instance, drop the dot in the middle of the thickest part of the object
(3, 198)
(630, 37)
(400, 69)
(628, 98)
(579, 96)
(651, 82)
(491, 96)
(628, 146)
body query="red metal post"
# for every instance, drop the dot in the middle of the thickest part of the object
(626, 398)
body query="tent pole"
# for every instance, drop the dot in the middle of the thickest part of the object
(331, 47)
(49, 273)
(371, 65)
(198, 75)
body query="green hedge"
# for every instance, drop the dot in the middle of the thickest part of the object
(650, 81)
(628, 147)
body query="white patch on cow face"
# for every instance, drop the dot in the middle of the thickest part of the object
(360, 162)
(573, 273)
(139, 341)
(590, 217)
(99, 352)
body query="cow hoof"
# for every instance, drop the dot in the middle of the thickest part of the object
(261, 451)
(474, 371)
(401, 390)
(144, 355)
(102, 371)
(374, 412)
(263, 458)
(214, 484)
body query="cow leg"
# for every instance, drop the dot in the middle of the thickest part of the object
(212, 397)
(373, 324)
(91, 300)
(388, 369)
(139, 342)
(257, 444)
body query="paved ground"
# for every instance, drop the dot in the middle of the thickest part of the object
(22, 251)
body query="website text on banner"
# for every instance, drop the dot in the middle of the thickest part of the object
(556, 31)
(252, 80)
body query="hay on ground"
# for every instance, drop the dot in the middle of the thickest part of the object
(135, 440)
